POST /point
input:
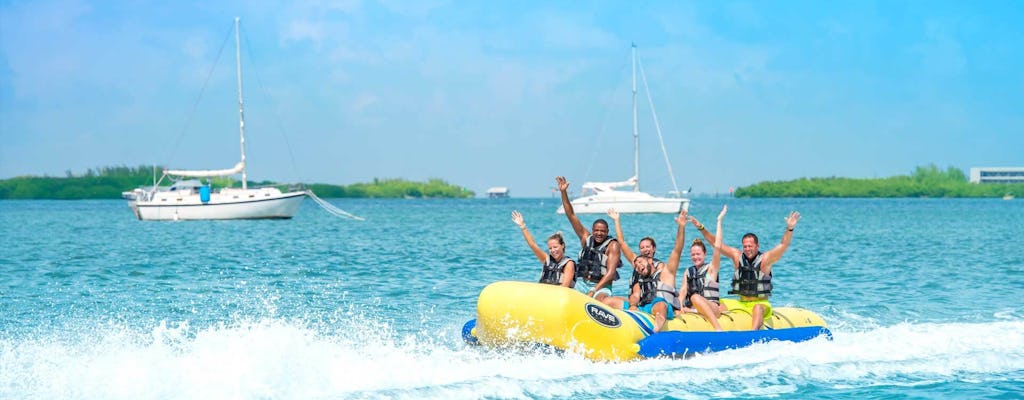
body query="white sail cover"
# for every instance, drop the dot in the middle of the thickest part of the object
(202, 173)
(609, 186)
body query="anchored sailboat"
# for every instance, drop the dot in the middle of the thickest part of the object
(192, 200)
(598, 197)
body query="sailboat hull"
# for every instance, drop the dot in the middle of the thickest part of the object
(227, 204)
(627, 203)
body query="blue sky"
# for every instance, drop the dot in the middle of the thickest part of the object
(514, 93)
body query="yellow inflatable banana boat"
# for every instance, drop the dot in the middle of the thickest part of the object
(515, 313)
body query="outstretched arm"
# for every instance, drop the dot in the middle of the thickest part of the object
(626, 251)
(613, 254)
(677, 248)
(773, 255)
(731, 252)
(569, 274)
(716, 260)
(517, 218)
(581, 232)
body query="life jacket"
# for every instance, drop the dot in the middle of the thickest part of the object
(652, 287)
(749, 281)
(593, 262)
(553, 271)
(698, 282)
(648, 287)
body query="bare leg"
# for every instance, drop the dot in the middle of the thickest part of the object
(705, 308)
(609, 300)
(618, 303)
(659, 310)
(757, 317)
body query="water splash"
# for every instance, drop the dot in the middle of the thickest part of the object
(354, 356)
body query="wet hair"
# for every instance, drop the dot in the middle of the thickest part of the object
(651, 239)
(699, 243)
(558, 236)
(601, 221)
(750, 235)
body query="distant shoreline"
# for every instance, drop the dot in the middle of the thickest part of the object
(925, 182)
(110, 182)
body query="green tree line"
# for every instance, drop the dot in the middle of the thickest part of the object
(925, 181)
(109, 182)
(393, 188)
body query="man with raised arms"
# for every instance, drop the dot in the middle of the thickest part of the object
(599, 257)
(752, 271)
(653, 286)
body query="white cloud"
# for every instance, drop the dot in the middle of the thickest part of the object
(941, 54)
(413, 9)
(362, 103)
(300, 30)
(574, 32)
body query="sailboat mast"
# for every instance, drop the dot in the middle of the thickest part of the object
(241, 113)
(636, 136)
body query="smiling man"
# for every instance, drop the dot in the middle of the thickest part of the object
(752, 272)
(596, 267)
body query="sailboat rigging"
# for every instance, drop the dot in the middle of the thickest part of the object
(598, 197)
(192, 200)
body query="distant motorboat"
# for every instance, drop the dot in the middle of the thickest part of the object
(598, 197)
(1008, 196)
(498, 192)
(192, 200)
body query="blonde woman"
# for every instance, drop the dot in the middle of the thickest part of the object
(557, 268)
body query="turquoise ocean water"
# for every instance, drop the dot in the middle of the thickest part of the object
(923, 297)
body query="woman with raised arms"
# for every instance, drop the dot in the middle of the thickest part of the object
(558, 269)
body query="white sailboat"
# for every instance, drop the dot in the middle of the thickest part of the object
(192, 200)
(598, 197)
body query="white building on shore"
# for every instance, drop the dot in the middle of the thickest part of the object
(997, 175)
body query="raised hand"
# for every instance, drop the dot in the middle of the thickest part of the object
(721, 215)
(563, 184)
(792, 220)
(518, 219)
(681, 218)
(695, 222)
(613, 214)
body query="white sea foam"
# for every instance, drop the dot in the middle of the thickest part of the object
(360, 358)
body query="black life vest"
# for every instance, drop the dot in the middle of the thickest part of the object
(698, 282)
(593, 262)
(749, 281)
(648, 287)
(652, 287)
(553, 271)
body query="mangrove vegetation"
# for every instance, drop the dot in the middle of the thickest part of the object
(924, 181)
(109, 182)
